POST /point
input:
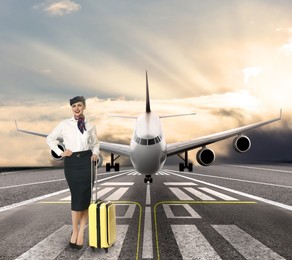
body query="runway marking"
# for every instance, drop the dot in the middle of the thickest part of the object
(193, 203)
(192, 244)
(163, 172)
(134, 173)
(139, 222)
(15, 205)
(180, 194)
(258, 168)
(148, 196)
(147, 251)
(50, 247)
(130, 211)
(54, 244)
(117, 184)
(274, 203)
(69, 197)
(217, 194)
(113, 252)
(198, 194)
(245, 244)
(180, 184)
(189, 209)
(117, 194)
(232, 179)
(32, 183)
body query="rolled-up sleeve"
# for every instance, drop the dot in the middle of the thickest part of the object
(53, 137)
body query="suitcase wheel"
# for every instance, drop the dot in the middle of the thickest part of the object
(106, 250)
(93, 248)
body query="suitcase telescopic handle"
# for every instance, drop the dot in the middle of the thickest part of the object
(93, 177)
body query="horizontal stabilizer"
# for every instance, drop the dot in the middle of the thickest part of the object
(191, 114)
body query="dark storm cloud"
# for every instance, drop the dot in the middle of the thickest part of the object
(269, 146)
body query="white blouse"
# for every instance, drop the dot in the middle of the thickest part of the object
(73, 139)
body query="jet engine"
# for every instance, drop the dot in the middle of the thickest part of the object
(241, 144)
(55, 156)
(205, 156)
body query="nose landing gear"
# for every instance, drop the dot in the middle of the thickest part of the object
(148, 178)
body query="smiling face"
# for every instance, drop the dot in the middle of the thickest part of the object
(78, 108)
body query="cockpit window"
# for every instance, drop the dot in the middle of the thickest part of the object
(151, 141)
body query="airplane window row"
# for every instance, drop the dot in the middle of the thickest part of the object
(151, 141)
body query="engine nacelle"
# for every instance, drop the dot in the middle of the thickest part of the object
(99, 161)
(241, 144)
(205, 156)
(55, 156)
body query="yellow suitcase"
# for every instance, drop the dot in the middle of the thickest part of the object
(101, 223)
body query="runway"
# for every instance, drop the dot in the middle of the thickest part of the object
(216, 212)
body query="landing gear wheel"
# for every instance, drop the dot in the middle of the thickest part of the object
(108, 167)
(148, 178)
(185, 165)
(190, 167)
(117, 167)
(181, 167)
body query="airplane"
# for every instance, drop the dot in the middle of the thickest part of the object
(148, 149)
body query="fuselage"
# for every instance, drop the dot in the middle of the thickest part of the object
(148, 146)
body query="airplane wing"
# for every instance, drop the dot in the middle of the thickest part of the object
(179, 147)
(119, 149)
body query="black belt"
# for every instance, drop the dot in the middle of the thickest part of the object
(81, 154)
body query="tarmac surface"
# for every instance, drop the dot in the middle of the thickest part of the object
(216, 212)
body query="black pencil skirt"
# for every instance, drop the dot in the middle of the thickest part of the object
(77, 169)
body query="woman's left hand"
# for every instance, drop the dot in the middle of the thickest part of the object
(94, 157)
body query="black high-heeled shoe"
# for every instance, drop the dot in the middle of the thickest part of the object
(78, 247)
(72, 245)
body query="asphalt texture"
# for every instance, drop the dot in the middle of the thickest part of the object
(215, 212)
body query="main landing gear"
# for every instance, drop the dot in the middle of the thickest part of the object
(185, 165)
(112, 165)
(148, 178)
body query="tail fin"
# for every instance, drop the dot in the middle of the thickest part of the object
(148, 110)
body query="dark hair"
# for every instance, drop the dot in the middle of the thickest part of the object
(77, 99)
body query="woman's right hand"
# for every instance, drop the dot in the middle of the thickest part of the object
(66, 153)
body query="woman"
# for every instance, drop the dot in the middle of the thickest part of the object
(82, 147)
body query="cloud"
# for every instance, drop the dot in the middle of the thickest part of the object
(250, 72)
(213, 113)
(286, 48)
(59, 8)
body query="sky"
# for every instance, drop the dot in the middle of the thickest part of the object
(228, 61)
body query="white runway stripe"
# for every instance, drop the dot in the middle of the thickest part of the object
(113, 252)
(180, 194)
(164, 173)
(217, 194)
(117, 184)
(192, 244)
(245, 244)
(198, 194)
(69, 197)
(130, 211)
(188, 208)
(147, 237)
(50, 247)
(104, 191)
(117, 194)
(179, 184)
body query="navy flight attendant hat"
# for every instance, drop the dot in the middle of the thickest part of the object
(77, 99)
